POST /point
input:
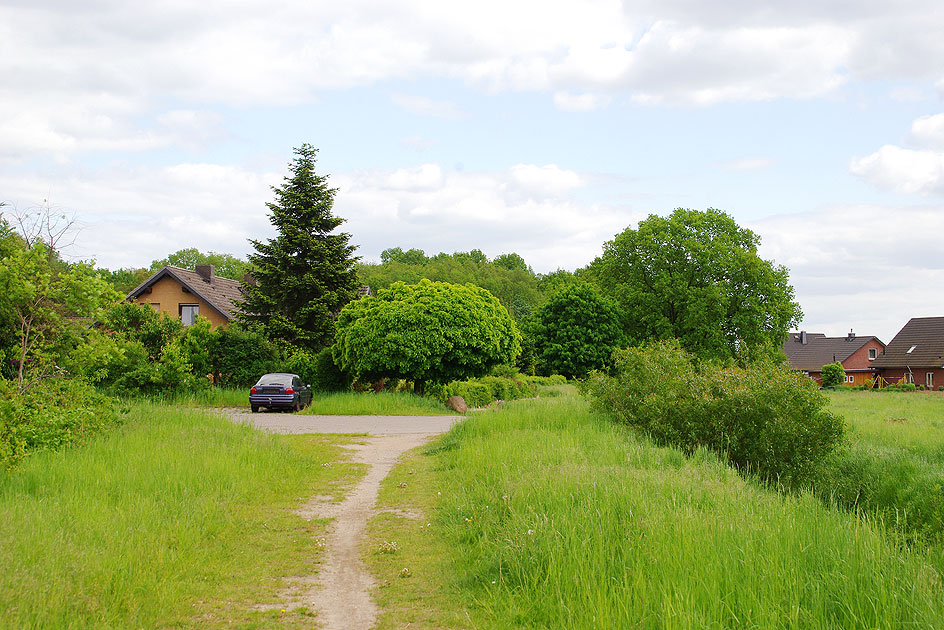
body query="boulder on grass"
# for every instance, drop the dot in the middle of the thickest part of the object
(457, 404)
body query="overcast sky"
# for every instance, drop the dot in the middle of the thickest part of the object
(537, 127)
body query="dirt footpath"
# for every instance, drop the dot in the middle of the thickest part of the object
(340, 592)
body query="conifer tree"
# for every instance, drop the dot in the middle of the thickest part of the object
(305, 275)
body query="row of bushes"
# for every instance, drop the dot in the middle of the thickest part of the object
(52, 414)
(137, 350)
(765, 418)
(503, 384)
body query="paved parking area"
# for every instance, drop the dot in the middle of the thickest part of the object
(374, 425)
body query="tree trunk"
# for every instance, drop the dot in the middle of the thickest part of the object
(419, 387)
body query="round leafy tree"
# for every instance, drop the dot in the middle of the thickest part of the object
(696, 277)
(426, 332)
(575, 331)
(306, 274)
(833, 374)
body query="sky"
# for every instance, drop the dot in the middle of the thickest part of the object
(543, 128)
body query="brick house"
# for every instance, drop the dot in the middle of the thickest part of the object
(809, 352)
(916, 354)
(185, 294)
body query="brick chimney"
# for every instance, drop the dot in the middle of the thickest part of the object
(850, 336)
(803, 337)
(205, 272)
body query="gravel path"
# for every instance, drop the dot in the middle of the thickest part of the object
(374, 425)
(340, 592)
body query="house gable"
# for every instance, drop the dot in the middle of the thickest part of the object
(173, 290)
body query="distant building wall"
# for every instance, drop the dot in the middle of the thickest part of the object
(168, 294)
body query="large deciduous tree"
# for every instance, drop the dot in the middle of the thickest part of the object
(696, 276)
(575, 331)
(426, 332)
(305, 275)
(45, 300)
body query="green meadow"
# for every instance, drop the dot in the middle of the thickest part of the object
(545, 515)
(178, 519)
(541, 514)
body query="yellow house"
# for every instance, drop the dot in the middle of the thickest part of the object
(186, 294)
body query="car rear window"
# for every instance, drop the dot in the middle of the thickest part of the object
(275, 379)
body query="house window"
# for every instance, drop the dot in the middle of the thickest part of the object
(156, 306)
(188, 313)
(929, 380)
(850, 378)
(908, 377)
(872, 354)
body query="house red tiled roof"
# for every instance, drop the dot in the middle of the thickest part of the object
(919, 344)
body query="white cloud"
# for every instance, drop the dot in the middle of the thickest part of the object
(545, 181)
(928, 131)
(903, 170)
(93, 76)
(864, 267)
(586, 102)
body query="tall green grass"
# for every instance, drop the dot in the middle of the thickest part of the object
(175, 519)
(894, 464)
(209, 397)
(380, 404)
(557, 518)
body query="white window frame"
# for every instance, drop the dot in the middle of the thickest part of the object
(850, 378)
(195, 313)
(929, 380)
(873, 353)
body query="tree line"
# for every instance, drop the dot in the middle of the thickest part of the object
(694, 276)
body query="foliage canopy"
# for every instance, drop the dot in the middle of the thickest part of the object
(696, 277)
(426, 332)
(575, 331)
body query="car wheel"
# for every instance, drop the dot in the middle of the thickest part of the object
(254, 408)
(298, 405)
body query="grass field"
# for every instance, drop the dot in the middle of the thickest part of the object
(543, 515)
(370, 404)
(894, 466)
(176, 520)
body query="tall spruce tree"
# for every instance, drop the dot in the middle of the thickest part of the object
(305, 275)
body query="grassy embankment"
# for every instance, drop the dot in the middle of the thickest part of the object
(176, 519)
(545, 515)
(894, 465)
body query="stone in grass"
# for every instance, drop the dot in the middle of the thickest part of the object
(457, 404)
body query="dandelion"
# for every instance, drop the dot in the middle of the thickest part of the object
(389, 546)
(530, 532)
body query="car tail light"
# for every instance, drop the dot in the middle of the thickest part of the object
(252, 391)
(289, 390)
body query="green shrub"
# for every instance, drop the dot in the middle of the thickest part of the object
(765, 418)
(479, 392)
(833, 374)
(241, 356)
(51, 415)
(328, 377)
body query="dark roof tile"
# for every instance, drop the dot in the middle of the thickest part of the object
(219, 293)
(923, 337)
(820, 350)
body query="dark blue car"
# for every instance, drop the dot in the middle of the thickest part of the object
(279, 391)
